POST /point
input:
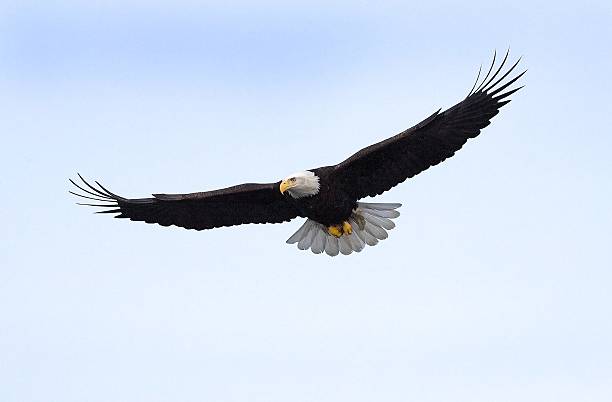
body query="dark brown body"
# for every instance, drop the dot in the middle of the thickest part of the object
(331, 206)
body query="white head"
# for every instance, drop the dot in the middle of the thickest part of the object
(301, 184)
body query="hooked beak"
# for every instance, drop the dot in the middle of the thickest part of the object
(284, 186)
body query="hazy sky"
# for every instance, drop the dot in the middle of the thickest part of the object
(495, 286)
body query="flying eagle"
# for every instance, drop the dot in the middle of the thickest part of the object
(328, 196)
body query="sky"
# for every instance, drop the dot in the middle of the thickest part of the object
(494, 286)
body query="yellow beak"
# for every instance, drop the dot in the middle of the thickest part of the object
(284, 186)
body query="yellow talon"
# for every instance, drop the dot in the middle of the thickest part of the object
(335, 230)
(347, 228)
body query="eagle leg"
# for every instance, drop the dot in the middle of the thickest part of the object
(335, 230)
(347, 228)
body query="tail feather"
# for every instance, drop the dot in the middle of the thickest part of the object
(306, 241)
(369, 239)
(345, 246)
(370, 222)
(355, 242)
(381, 213)
(376, 231)
(378, 205)
(378, 221)
(359, 233)
(297, 236)
(332, 248)
(318, 244)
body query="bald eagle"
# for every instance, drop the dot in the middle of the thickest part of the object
(337, 222)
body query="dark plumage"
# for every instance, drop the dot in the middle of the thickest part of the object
(369, 172)
(245, 203)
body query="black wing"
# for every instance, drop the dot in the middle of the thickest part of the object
(246, 203)
(381, 166)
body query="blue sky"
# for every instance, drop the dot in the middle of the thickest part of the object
(494, 286)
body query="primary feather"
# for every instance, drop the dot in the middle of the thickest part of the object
(379, 167)
(246, 203)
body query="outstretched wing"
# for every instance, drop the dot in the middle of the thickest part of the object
(245, 203)
(379, 167)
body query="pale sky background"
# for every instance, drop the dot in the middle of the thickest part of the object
(495, 286)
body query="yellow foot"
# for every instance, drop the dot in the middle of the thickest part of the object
(335, 230)
(347, 228)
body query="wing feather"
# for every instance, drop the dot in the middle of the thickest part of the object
(242, 204)
(381, 166)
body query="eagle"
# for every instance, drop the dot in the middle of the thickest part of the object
(329, 196)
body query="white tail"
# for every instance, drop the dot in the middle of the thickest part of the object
(370, 222)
